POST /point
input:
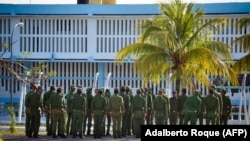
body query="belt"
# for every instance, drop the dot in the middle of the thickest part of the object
(139, 109)
(173, 111)
(190, 111)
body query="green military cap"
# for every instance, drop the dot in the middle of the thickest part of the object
(79, 87)
(174, 91)
(142, 89)
(138, 91)
(32, 86)
(99, 91)
(39, 87)
(211, 90)
(127, 88)
(72, 87)
(197, 92)
(59, 88)
(116, 90)
(223, 91)
(52, 87)
(163, 91)
(123, 88)
(89, 89)
(184, 90)
(213, 86)
(160, 91)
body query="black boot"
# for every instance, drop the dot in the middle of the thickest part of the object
(54, 136)
(88, 133)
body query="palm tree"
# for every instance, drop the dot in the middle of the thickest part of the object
(176, 41)
(243, 65)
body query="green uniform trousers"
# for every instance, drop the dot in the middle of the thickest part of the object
(58, 120)
(190, 116)
(98, 120)
(160, 118)
(173, 117)
(87, 121)
(35, 122)
(27, 122)
(138, 121)
(149, 118)
(210, 118)
(69, 126)
(77, 122)
(117, 123)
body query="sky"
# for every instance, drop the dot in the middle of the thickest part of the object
(117, 1)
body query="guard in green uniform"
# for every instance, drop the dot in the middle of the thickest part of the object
(69, 98)
(200, 115)
(211, 107)
(168, 105)
(99, 111)
(88, 115)
(84, 95)
(191, 107)
(28, 111)
(129, 121)
(227, 107)
(174, 114)
(139, 112)
(143, 94)
(46, 98)
(149, 106)
(160, 109)
(78, 105)
(126, 100)
(107, 95)
(35, 105)
(56, 106)
(220, 105)
(181, 100)
(103, 125)
(150, 92)
(116, 110)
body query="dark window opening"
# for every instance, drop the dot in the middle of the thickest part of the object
(82, 1)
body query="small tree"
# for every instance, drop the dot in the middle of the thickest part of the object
(23, 74)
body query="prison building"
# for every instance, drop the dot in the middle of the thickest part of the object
(80, 40)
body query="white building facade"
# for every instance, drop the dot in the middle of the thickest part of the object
(78, 41)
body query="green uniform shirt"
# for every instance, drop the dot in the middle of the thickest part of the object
(173, 104)
(79, 103)
(160, 106)
(89, 100)
(126, 101)
(149, 101)
(69, 98)
(34, 101)
(181, 100)
(139, 104)
(193, 104)
(167, 103)
(46, 98)
(116, 103)
(227, 106)
(26, 102)
(220, 105)
(211, 104)
(57, 101)
(98, 103)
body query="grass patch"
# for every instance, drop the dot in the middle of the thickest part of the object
(7, 132)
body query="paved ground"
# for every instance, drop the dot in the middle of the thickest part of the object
(44, 137)
(69, 138)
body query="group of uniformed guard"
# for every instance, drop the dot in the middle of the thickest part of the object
(126, 112)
